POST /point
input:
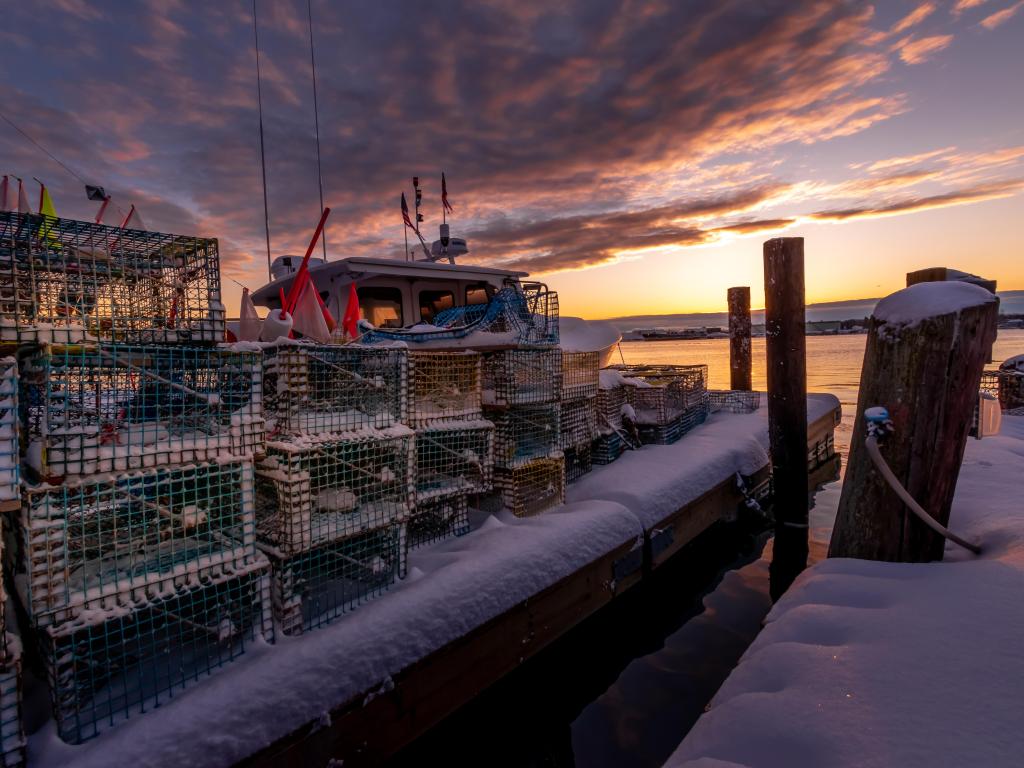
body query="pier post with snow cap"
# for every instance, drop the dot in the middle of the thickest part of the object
(786, 348)
(926, 349)
(739, 338)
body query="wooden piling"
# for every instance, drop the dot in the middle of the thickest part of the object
(739, 338)
(785, 345)
(926, 374)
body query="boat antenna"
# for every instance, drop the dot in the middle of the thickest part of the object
(263, 157)
(316, 119)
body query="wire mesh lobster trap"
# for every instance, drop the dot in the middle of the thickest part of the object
(580, 374)
(607, 448)
(694, 414)
(106, 668)
(522, 376)
(9, 448)
(322, 389)
(1007, 386)
(664, 393)
(609, 408)
(112, 408)
(107, 542)
(315, 491)
(454, 457)
(733, 401)
(532, 488)
(524, 433)
(12, 730)
(438, 518)
(67, 281)
(578, 462)
(314, 587)
(577, 422)
(443, 386)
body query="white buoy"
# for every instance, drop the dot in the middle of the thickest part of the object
(277, 325)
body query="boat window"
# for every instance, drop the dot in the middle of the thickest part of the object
(381, 306)
(480, 293)
(433, 302)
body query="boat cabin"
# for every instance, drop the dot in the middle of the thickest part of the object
(392, 293)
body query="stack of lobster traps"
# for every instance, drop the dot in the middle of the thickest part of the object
(335, 488)
(133, 541)
(578, 421)
(454, 443)
(522, 391)
(667, 401)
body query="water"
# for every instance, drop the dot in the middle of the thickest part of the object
(625, 687)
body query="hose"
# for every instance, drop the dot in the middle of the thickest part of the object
(924, 517)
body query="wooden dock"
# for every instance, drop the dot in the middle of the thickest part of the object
(366, 733)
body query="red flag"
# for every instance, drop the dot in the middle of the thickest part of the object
(405, 214)
(350, 322)
(444, 194)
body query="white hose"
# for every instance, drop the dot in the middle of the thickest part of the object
(931, 522)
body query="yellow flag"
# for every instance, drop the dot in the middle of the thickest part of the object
(46, 209)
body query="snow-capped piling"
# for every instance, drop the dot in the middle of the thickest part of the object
(739, 338)
(785, 344)
(927, 346)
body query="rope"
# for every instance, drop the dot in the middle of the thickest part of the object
(924, 517)
(263, 157)
(316, 119)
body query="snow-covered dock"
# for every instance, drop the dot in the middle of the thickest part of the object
(471, 610)
(881, 664)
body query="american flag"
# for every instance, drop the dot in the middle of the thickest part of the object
(405, 214)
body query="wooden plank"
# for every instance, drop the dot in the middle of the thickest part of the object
(374, 726)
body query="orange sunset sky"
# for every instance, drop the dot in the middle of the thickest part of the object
(634, 155)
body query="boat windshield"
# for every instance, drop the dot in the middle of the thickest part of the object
(382, 307)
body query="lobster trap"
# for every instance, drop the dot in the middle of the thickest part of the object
(66, 281)
(694, 414)
(104, 543)
(314, 587)
(665, 393)
(105, 668)
(1007, 386)
(609, 409)
(733, 401)
(12, 730)
(323, 389)
(312, 492)
(443, 386)
(9, 448)
(580, 374)
(522, 376)
(524, 433)
(532, 488)
(454, 457)
(607, 448)
(577, 422)
(113, 408)
(578, 462)
(438, 518)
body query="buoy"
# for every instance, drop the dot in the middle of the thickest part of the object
(278, 324)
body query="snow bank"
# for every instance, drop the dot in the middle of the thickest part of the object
(657, 480)
(882, 664)
(918, 302)
(453, 588)
(578, 335)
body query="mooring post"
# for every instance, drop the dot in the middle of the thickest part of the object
(926, 349)
(739, 339)
(786, 348)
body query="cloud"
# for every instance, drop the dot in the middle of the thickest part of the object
(999, 17)
(912, 205)
(915, 17)
(963, 5)
(922, 49)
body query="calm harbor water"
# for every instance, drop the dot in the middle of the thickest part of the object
(624, 688)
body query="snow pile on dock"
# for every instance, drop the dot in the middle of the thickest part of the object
(923, 300)
(882, 664)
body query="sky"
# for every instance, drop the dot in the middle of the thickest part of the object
(633, 155)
